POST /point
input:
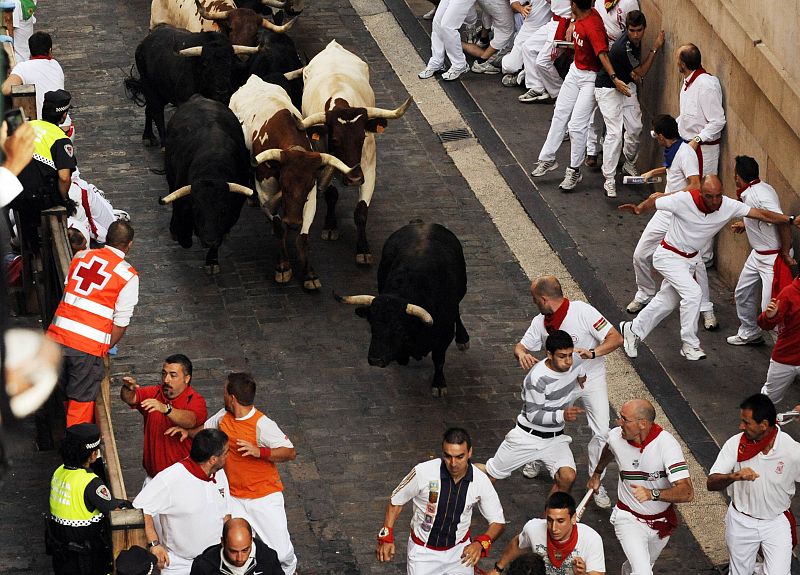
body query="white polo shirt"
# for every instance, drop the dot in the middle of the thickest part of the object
(614, 20)
(701, 109)
(442, 509)
(47, 75)
(539, 15)
(658, 466)
(561, 8)
(585, 324)
(589, 547)
(546, 394)
(771, 494)
(684, 165)
(690, 228)
(762, 236)
(191, 511)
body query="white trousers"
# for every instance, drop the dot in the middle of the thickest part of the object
(653, 233)
(502, 21)
(445, 38)
(267, 516)
(779, 377)
(753, 292)
(573, 110)
(594, 398)
(641, 544)
(618, 111)
(678, 287)
(710, 159)
(512, 62)
(178, 565)
(424, 561)
(537, 57)
(745, 534)
(519, 447)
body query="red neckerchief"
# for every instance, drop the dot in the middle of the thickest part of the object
(194, 468)
(651, 435)
(698, 201)
(740, 191)
(748, 448)
(557, 551)
(45, 57)
(692, 78)
(553, 321)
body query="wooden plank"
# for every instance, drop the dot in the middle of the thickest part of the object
(24, 96)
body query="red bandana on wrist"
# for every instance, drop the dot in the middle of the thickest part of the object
(194, 468)
(553, 321)
(692, 78)
(558, 551)
(698, 201)
(749, 448)
(740, 191)
(651, 435)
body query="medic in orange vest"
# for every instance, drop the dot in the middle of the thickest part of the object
(100, 293)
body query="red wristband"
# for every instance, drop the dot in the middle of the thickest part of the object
(486, 544)
(386, 535)
(266, 453)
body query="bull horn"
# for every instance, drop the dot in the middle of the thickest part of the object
(274, 3)
(193, 51)
(419, 312)
(271, 155)
(294, 74)
(209, 15)
(355, 299)
(334, 162)
(239, 49)
(278, 29)
(239, 189)
(383, 113)
(312, 120)
(176, 195)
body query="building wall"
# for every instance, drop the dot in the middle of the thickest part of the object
(751, 45)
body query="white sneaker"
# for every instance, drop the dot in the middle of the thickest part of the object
(531, 470)
(542, 167)
(757, 339)
(484, 68)
(636, 306)
(572, 177)
(454, 73)
(611, 188)
(430, 14)
(601, 498)
(692, 353)
(710, 322)
(428, 72)
(630, 339)
(630, 168)
(533, 95)
(121, 215)
(509, 81)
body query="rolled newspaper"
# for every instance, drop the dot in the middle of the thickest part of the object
(632, 180)
(564, 44)
(787, 416)
(582, 505)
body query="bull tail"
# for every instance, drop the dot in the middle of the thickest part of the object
(134, 90)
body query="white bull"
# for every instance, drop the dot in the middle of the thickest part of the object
(338, 102)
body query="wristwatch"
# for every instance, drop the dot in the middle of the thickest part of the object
(154, 543)
(791, 219)
(169, 409)
(698, 139)
(655, 494)
(498, 568)
(384, 532)
(594, 355)
(613, 77)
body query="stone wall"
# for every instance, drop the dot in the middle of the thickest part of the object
(744, 43)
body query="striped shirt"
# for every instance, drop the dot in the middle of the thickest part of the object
(546, 394)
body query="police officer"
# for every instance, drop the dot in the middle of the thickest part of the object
(136, 561)
(76, 536)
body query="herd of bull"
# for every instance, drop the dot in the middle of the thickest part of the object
(251, 116)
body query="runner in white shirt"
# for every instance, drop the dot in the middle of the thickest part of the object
(444, 493)
(594, 337)
(23, 21)
(191, 499)
(542, 80)
(566, 546)
(653, 476)
(771, 251)
(682, 169)
(696, 217)
(537, 14)
(548, 392)
(758, 469)
(42, 70)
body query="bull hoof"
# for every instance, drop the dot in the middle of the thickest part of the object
(312, 284)
(151, 142)
(174, 237)
(464, 346)
(439, 391)
(212, 269)
(330, 235)
(283, 276)
(364, 259)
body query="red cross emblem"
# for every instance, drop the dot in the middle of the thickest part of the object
(91, 275)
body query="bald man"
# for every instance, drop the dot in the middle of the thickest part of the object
(697, 215)
(238, 552)
(653, 476)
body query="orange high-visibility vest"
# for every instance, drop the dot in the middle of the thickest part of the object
(84, 318)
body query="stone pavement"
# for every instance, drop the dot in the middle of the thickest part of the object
(357, 429)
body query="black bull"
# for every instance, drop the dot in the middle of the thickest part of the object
(208, 172)
(422, 278)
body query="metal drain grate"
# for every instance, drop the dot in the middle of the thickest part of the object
(454, 135)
